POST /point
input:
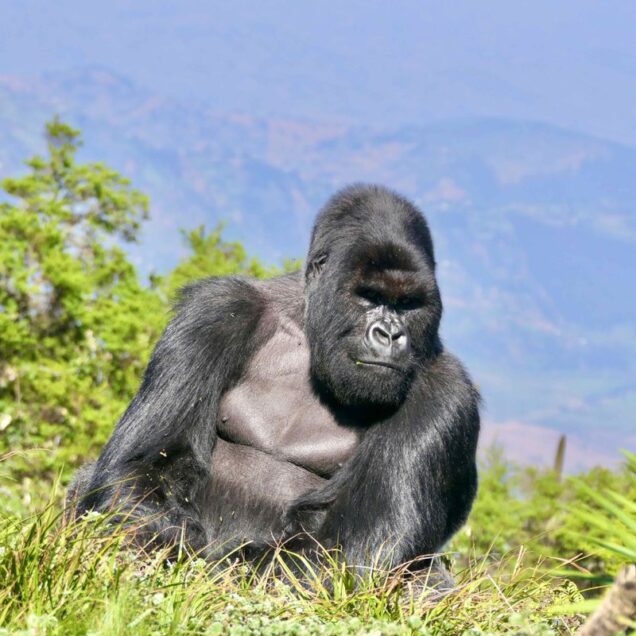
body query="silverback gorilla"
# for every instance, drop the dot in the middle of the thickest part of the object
(319, 404)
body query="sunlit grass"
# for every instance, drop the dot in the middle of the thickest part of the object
(57, 578)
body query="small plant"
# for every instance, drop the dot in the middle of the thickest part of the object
(610, 517)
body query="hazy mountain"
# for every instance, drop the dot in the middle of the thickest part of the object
(569, 63)
(535, 227)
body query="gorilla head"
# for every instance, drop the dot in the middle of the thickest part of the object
(372, 302)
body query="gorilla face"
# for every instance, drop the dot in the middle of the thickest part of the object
(372, 302)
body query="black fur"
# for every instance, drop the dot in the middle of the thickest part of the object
(410, 478)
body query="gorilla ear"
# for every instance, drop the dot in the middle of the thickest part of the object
(314, 267)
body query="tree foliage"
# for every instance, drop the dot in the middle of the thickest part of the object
(209, 255)
(76, 322)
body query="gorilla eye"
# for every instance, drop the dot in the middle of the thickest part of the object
(409, 302)
(370, 296)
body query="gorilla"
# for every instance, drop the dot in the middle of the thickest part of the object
(319, 404)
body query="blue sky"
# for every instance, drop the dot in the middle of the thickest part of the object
(570, 63)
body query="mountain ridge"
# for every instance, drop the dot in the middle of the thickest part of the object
(535, 226)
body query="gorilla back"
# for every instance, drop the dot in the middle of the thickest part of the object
(319, 405)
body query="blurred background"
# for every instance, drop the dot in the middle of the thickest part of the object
(512, 125)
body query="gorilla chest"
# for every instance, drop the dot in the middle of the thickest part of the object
(275, 410)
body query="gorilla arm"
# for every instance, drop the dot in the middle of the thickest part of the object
(156, 465)
(411, 482)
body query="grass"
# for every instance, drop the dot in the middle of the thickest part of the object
(61, 579)
(57, 579)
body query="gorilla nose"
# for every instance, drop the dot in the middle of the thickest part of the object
(387, 338)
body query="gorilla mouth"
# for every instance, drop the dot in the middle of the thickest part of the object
(379, 363)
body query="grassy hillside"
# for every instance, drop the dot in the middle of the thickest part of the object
(531, 553)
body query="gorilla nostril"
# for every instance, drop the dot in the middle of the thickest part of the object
(387, 338)
(381, 335)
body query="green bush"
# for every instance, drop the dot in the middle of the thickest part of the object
(538, 513)
(76, 322)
